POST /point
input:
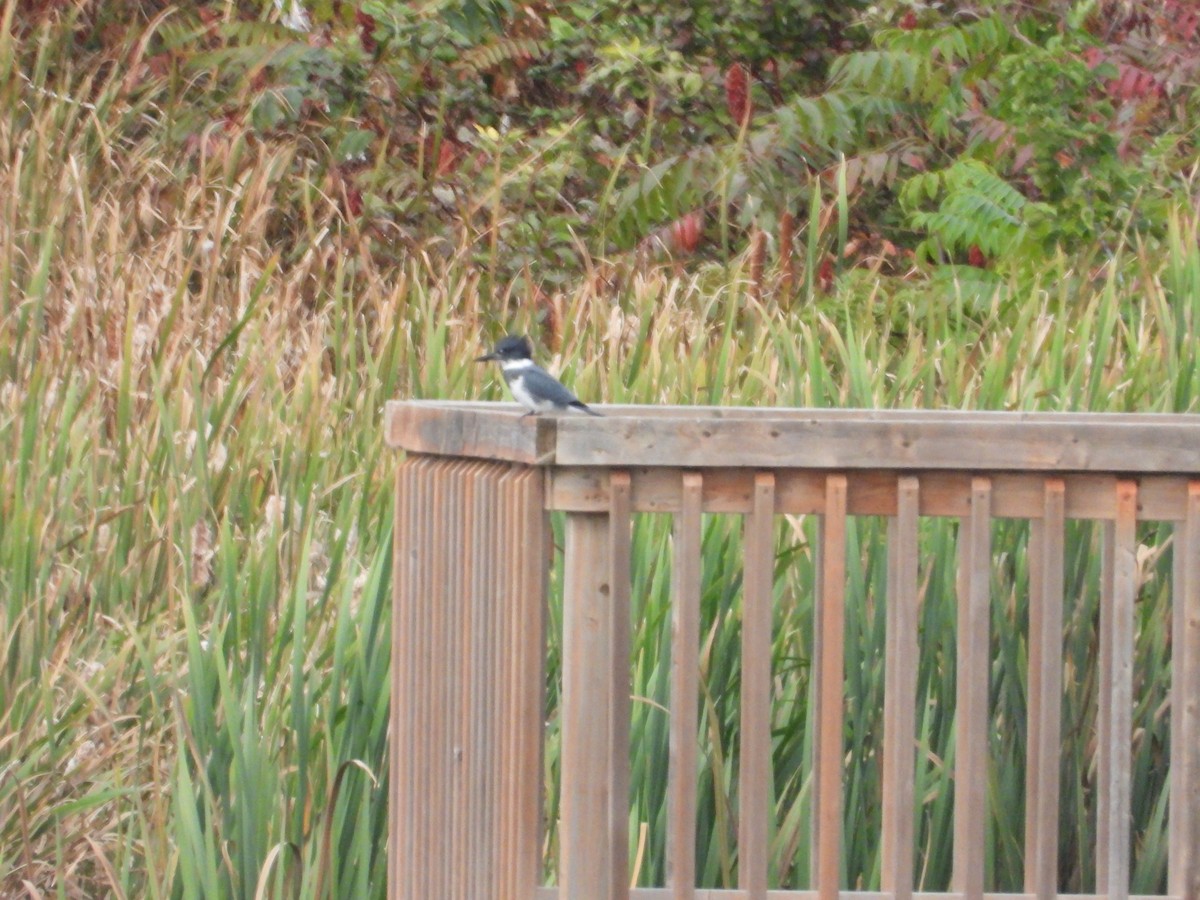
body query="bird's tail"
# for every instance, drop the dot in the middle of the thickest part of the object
(583, 407)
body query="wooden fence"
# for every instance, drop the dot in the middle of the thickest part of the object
(473, 496)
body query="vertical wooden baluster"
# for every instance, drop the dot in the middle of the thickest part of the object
(479, 741)
(619, 536)
(450, 667)
(1183, 874)
(971, 714)
(754, 772)
(1116, 697)
(424, 761)
(830, 631)
(504, 598)
(399, 844)
(685, 691)
(1045, 693)
(534, 551)
(900, 692)
(585, 864)
(452, 663)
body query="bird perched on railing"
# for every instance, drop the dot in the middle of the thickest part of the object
(531, 385)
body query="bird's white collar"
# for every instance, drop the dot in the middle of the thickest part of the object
(516, 365)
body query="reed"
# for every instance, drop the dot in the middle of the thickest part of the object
(195, 509)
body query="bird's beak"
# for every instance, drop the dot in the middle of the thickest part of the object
(488, 358)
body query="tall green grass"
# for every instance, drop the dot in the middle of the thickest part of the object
(195, 508)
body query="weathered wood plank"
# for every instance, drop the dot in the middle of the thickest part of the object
(900, 692)
(585, 853)
(495, 431)
(685, 692)
(906, 444)
(531, 543)
(1045, 693)
(503, 693)
(549, 893)
(487, 651)
(619, 539)
(754, 773)
(400, 841)
(870, 493)
(755, 413)
(1183, 871)
(829, 629)
(833, 439)
(1114, 746)
(971, 710)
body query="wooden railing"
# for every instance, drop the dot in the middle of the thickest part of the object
(472, 555)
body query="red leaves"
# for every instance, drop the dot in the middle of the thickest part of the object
(1134, 83)
(679, 238)
(825, 273)
(737, 93)
(366, 31)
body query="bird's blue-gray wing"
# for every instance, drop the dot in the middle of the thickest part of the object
(540, 382)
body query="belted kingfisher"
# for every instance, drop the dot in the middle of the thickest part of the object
(531, 385)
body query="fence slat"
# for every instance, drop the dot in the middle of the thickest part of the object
(829, 630)
(501, 694)
(530, 549)
(685, 692)
(586, 870)
(452, 661)
(971, 713)
(754, 773)
(1183, 874)
(400, 847)
(485, 645)
(619, 534)
(1114, 746)
(900, 692)
(1045, 693)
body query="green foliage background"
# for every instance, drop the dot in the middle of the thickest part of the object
(229, 233)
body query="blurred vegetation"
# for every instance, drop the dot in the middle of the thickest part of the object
(230, 232)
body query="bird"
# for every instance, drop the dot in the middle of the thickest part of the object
(531, 385)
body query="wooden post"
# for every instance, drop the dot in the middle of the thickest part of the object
(685, 692)
(971, 712)
(829, 657)
(1045, 694)
(1115, 740)
(591, 863)
(619, 537)
(901, 661)
(467, 682)
(1183, 873)
(754, 773)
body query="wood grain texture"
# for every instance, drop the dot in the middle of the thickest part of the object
(829, 629)
(755, 772)
(802, 438)
(549, 893)
(493, 431)
(619, 541)
(685, 691)
(838, 439)
(871, 492)
(1044, 715)
(971, 710)
(585, 852)
(901, 662)
(467, 651)
(1183, 870)
(1114, 745)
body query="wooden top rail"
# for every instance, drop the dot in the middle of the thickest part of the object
(845, 439)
